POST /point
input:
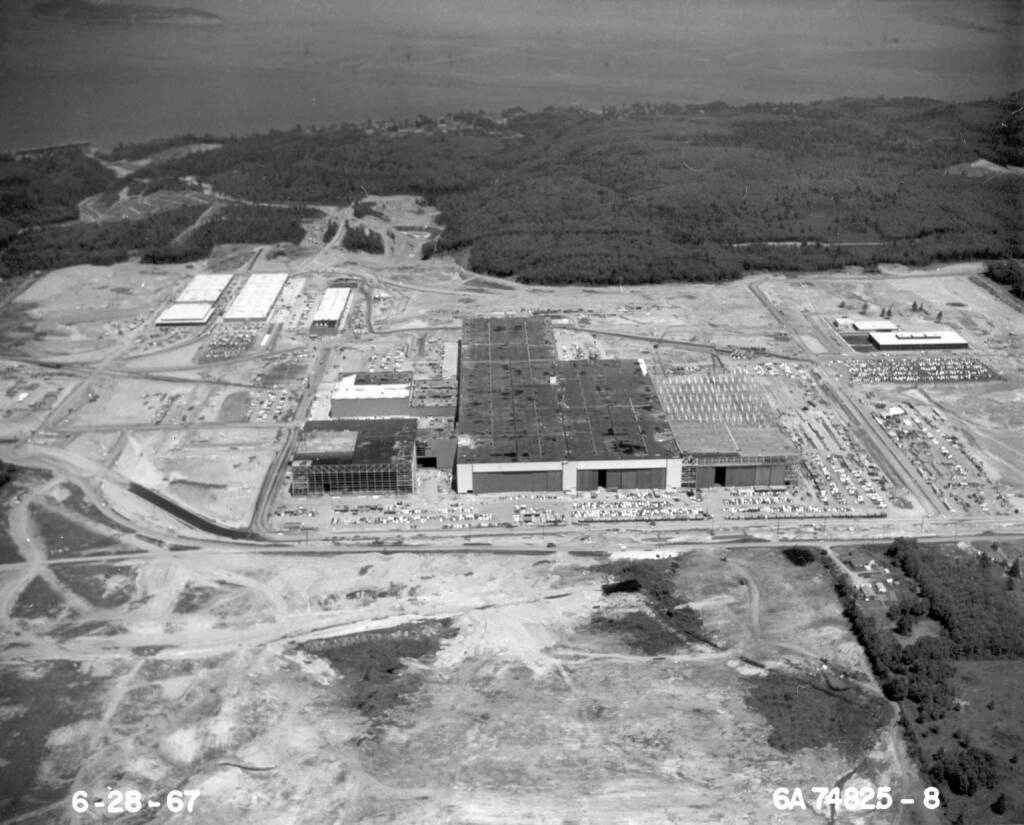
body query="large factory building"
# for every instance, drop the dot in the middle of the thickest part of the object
(355, 456)
(527, 422)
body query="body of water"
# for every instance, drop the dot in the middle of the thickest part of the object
(275, 64)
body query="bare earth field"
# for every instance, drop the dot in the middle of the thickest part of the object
(79, 313)
(216, 473)
(298, 688)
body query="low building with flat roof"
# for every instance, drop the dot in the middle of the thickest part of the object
(180, 314)
(875, 325)
(327, 319)
(205, 288)
(907, 340)
(257, 297)
(392, 394)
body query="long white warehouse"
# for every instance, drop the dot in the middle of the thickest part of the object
(331, 310)
(257, 297)
(185, 314)
(906, 340)
(204, 289)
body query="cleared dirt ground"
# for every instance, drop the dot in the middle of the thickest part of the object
(421, 686)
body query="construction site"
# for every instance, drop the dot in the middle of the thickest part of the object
(332, 516)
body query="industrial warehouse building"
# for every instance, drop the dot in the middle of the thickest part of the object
(355, 456)
(392, 394)
(185, 314)
(327, 319)
(257, 297)
(876, 325)
(205, 288)
(529, 422)
(906, 340)
(727, 431)
(195, 304)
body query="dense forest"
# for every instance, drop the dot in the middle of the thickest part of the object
(234, 224)
(46, 189)
(138, 151)
(971, 599)
(654, 193)
(92, 243)
(1008, 273)
(637, 194)
(358, 238)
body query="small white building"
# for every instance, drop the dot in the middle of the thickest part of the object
(193, 314)
(875, 325)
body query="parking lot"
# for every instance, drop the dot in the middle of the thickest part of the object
(889, 369)
(943, 460)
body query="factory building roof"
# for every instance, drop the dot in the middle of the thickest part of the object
(257, 297)
(517, 403)
(332, 306)
(352, 389)
(193, 313)
(205, 288)
(918, 340)
(358, 441)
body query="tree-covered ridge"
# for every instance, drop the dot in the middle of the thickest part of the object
(92, 243)
(654, 193)
(234, 224)
(46, 189)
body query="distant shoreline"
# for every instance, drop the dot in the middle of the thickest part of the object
(84, 11)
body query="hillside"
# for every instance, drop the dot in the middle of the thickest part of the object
(638, 194)
(656, 193)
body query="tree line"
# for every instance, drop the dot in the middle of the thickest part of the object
(46, 189)
(640, 195)
(102, 244)
(234, 224)
(979, 620)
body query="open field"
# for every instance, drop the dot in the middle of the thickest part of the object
(79, 313)
(123, 205)
(28, 394)
(359, 676)
(215, 472)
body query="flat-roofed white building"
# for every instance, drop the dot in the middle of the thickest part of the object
(875, 326)
(181, 314)
(328, 315)
(927, 339)
(257, 297)
(350, 388)
(205, 288)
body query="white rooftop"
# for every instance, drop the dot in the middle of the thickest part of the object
(332, 305)
(349, 390)
(180, 313)
(206, 288)
(257, 297)
(925, 338)
(874, 326)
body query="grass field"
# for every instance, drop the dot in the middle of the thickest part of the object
(990, 714)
